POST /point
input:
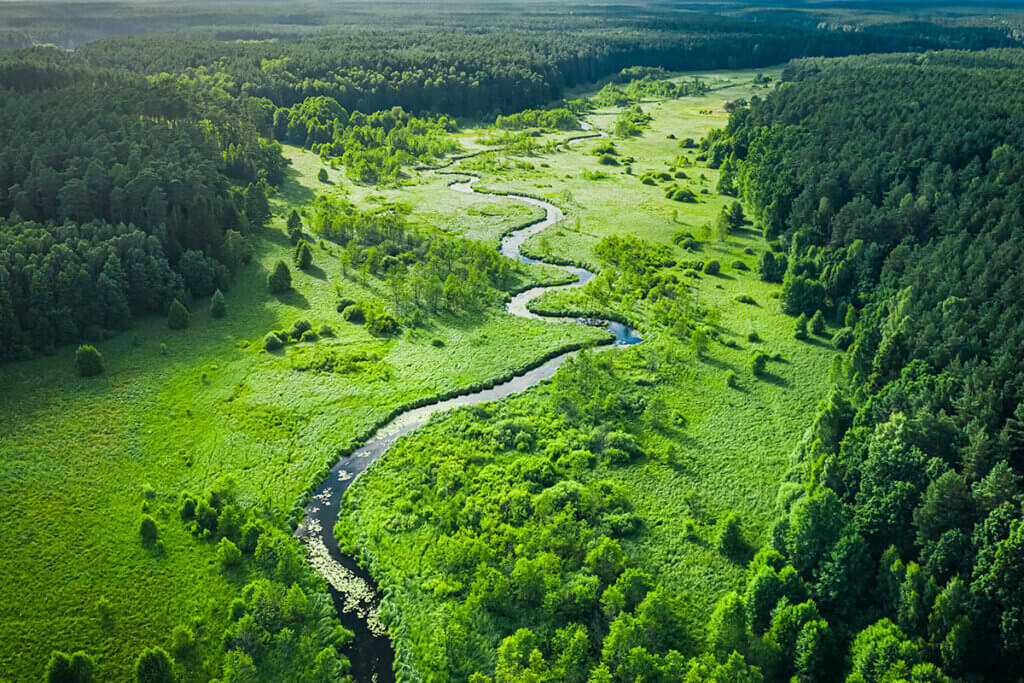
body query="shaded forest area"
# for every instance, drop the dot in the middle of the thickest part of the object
(891, 184)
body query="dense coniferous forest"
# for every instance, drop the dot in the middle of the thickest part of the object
(293, 195)
(892, 186)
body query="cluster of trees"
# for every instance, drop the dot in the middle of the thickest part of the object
(527, 576)
(897, 210)
(646, 87)
(632, 122)
(373, 147)
(116, 197)
(558, 119)
(420, 272)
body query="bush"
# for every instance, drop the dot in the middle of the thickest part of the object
(309, 336)
(731, 380)
(321, 175)
(382, 324)
(299, 327)
(753, 337)
(280, 280)
(817, 323)
(739, 265)
(228, 553)
(326, 331)
(89, 361)
(843, 338)
(800, 328)
(354, 314)
(712, 267)
(218, 308)
(759, 363)
(343, 304)
(437, 342)
(682, 195)
(303, 255)
(607, 160)
(177, 316)
(79, 668)
(154, 666)
(272, 342)
(745, 299)
(183, 639)
(728, 539)
(147, 529)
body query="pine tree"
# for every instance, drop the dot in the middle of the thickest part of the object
(178, 316)
(280, 280)
(303, 256)
(218, 307)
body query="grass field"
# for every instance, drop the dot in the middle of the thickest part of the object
(179, 410)
(732, 453)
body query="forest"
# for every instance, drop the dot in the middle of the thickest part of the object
(502, 343)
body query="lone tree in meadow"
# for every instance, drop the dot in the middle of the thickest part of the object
(294, 227)
(800, 328)
(303, 255)
(280, 280)
(147, 529)
(178, 316)
(218, 307)
(154, 666)
(89, 361)
(322, 175)
(817, 323)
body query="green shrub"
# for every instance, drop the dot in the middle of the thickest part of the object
(298, 328)
(303, 255)
(712, 267)
(228, 553)
(183, 639)
(80, 667)
(383, 324)
(746, 299)
(354, 314)
(437, 342)
(89, 361)
(343, 304)
(309, 336)
(326, 330)
(648, 180)
(753, 337)
(218, 307)
(731, 380)
(321, 175)
(280, 279)
(739, 265)
(843, 338)
(759, 363)
(147, 529)
(728, 539)
(800, 327)
(817, 323)
(177, 316)
(683, 195)
(154, 666)
(272, 342)
(607, 160)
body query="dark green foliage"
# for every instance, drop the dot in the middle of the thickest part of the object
(228, 554)
(309, 336)
(843, 338)
(740, 265)
(178, 316)
(759, 363)
(147, 529)
(272, 342)
(729, 539)
(321, 175)
(280, 280)
(303, 256)
(712, 267)
(800, 327)
(354, 314)
(326, 330)
(817, 323)
(89, 361)
(608, 160)
(380, 323)
(218, 307)
(79, 667)
(154, 666)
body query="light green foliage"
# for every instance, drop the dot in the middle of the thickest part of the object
(89, 361)
(218, 306)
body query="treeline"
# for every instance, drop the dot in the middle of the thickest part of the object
(892, 189)
(373, 148)
(116, 196)
(482, 68)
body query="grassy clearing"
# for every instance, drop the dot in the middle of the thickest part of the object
(731, 452)
(179, 410)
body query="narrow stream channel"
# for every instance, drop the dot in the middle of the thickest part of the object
(353, 590)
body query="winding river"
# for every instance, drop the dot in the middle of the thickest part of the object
(353, 590)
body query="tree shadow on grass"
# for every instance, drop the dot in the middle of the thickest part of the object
(776, 380)
(315, 271)
(295, 299)
(292, 190)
